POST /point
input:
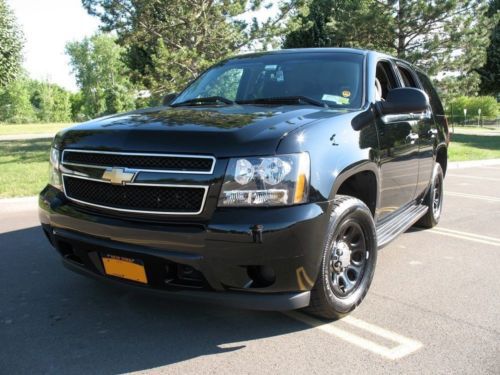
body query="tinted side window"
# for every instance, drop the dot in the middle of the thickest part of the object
(385, 79)
(407, 76)
(436, 105)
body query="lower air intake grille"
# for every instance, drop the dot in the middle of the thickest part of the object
(153, 199)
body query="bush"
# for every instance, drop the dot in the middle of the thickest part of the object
(15, 105)
(487, 104)
(30, 101)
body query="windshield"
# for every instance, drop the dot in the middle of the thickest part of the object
(331, 78)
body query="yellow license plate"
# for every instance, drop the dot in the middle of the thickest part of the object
(125, 268)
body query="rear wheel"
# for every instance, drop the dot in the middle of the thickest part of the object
(349, 259)
(434, 199)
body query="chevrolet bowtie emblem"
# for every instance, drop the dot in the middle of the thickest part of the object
(118, 176)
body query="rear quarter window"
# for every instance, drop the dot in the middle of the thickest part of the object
(437, 107)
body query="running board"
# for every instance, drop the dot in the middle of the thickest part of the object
(390, 229)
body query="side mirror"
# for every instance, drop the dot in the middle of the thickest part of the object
(169, 98)
(404, 101)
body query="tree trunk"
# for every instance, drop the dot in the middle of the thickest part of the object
(400, 32)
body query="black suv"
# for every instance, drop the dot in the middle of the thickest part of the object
(268, 183)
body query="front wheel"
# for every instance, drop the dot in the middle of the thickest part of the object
(349, 259)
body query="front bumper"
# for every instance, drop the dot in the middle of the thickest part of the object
(224, 256)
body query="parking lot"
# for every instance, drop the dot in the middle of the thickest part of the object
(433, 307)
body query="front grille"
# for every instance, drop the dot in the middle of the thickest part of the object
(176, 163)
(136, 198)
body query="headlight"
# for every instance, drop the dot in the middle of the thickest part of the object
(266, 181)
(54, 172)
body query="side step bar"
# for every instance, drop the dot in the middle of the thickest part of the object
(389, 230)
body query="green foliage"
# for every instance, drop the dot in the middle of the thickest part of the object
(439, 36)
(15, 103)
(29, 101)
(340, 23)
(101, 75)
(225, 85)
(490, 72)
(11, 45)
(169, 43)
(310, 27)
(51, 102)
(487, 104)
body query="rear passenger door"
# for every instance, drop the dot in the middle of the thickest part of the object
(426, 131)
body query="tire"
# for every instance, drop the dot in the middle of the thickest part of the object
(336, 293)
(433, 199)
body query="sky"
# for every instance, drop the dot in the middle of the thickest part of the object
(47, 26)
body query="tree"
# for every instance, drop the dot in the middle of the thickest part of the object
(310, 27)
(490, 72)
(442, 36)
(338, 23)
(11, 45)
(15, 104)
(50, 102)
(101, 75)
(168, 43)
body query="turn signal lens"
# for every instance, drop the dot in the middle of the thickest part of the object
(54, 172)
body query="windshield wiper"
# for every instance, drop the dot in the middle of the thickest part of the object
(201, 101)
(285, 100)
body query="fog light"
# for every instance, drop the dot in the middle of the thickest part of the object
(261, 276)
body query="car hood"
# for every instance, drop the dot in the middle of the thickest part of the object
(220, 131)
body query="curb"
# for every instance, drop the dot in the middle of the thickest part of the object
(473, 163)
(25, 137)
(8, 205)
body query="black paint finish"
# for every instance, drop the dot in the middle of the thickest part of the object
(398, 152)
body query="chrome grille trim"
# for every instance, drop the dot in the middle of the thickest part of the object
(202, 205)
(211, 171)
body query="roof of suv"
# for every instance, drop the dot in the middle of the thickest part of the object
(363, 52)
(315, 50)
(357, 51)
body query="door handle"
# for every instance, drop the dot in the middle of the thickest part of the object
(412, 137)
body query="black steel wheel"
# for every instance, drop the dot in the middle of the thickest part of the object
(349, 259)
(434, 199)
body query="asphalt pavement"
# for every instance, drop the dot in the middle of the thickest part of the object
(433, 308)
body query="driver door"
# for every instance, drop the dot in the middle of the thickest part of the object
(399, 141)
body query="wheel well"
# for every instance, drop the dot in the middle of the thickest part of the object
(362, 185)
(442, 158)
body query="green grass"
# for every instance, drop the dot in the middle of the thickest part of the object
(13, 129)
(476, 129)
(474, 147)
(24, 167)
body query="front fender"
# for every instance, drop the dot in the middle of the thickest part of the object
(338, 147)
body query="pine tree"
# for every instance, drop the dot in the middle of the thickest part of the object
(490, 72)
(444, 37)
(169, 43)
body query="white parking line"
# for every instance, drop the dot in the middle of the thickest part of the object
(406, 346)
(472, 196)
(474, 177)
(467, 236)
